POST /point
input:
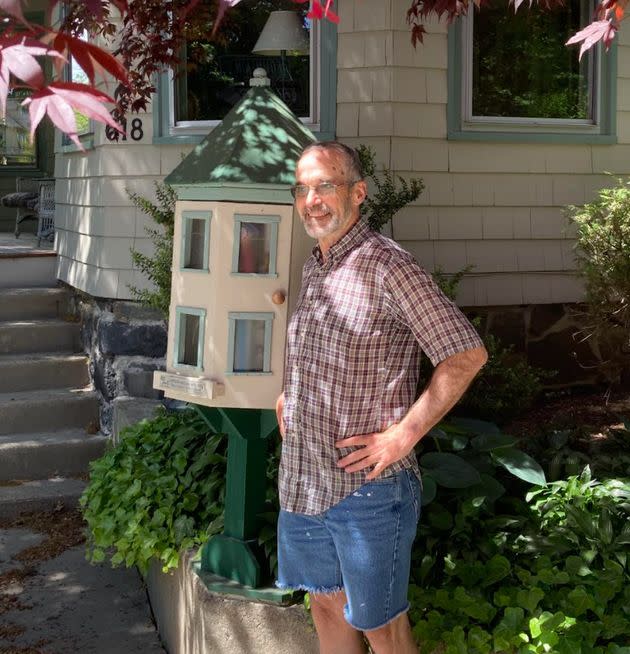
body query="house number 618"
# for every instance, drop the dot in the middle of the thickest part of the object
(135, 133)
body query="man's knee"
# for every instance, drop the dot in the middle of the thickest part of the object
(329, 605)
(395, 636)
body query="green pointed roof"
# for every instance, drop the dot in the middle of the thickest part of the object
(250, 156)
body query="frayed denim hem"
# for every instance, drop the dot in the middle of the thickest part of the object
(354, 626)
(316, 590)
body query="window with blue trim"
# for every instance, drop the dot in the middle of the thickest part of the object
(512, 72)
(215, 74)
(190, 326)
(196, 240)
(255, 245)
(249, 346)
(72, 72)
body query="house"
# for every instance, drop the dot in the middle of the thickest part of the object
(500, 119)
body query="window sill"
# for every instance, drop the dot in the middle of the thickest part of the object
(87, 141)
(532, 137)
(194, 139)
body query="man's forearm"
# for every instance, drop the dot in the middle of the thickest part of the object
(448, 383)
(279, 409)
(379, 450)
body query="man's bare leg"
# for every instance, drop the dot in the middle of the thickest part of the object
(393, 638)
(335, 635)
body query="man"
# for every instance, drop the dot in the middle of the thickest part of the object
(349, 491)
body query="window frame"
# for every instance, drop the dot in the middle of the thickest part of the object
(324, 80)
(179, 335)
(267, 317)
(274, 221)
(42, 149)
(463, 126)
(85, 138)
(187, 217)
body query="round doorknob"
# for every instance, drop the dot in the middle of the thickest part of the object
(278, 297)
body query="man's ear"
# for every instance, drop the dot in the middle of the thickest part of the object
(359, 192)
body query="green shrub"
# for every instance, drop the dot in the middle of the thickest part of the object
(603, 261)
(389, 194)
(507, 385)
(159, 491)
(156, 268)
(551, 576)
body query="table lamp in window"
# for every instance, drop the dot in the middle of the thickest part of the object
(282, 34)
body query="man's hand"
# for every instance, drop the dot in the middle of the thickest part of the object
(377, 451)
(448, 383)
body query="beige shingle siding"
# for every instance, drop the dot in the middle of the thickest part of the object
(97, 225)
(497, 206)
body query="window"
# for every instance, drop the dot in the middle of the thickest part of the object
(195, 241)
(190, 323)
(255, 245)
(512, 73)
(73, 72)
(15, 126)
(216, 74)
(249, 344)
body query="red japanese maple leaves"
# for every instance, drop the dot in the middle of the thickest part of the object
(150, 38)
(23, 46)
(609, 12)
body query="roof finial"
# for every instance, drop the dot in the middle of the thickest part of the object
(259, 78)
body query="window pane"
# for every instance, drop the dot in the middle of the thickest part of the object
(74, 73)
(15, 145)
(218, 72)
(195, 243)
(249, 346)
(189, 339)
(254, 248)
(521, 66)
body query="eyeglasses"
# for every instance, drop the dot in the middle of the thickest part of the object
(323, 189)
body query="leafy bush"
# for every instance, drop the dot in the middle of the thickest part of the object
(159, 491)
(549, 577)
(507, 385)
(157, 268)
(391, 193)
(603, 260)
(468, 458)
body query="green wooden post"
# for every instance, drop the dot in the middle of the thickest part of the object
(233, 554)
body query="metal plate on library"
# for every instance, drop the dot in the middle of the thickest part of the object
(195, 386)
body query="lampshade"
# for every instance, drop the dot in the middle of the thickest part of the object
(282, 31)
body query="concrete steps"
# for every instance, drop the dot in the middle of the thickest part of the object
(38, 495)
(38, 335)
(49, 414)
(30, 303)
(26, 372)
(40, 455)
(27, 269)
(48, 410)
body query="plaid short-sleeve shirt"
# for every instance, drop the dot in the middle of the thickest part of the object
(354, 343)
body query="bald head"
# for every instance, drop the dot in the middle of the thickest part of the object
(347, 155)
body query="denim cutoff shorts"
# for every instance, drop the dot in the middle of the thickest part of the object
(362, 545)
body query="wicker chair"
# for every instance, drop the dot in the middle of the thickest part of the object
(25, 200)
(46, 210)
(34, 199)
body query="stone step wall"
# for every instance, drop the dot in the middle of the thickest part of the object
(125, 343)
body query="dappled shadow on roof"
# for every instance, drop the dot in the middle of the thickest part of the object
(258, 142)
